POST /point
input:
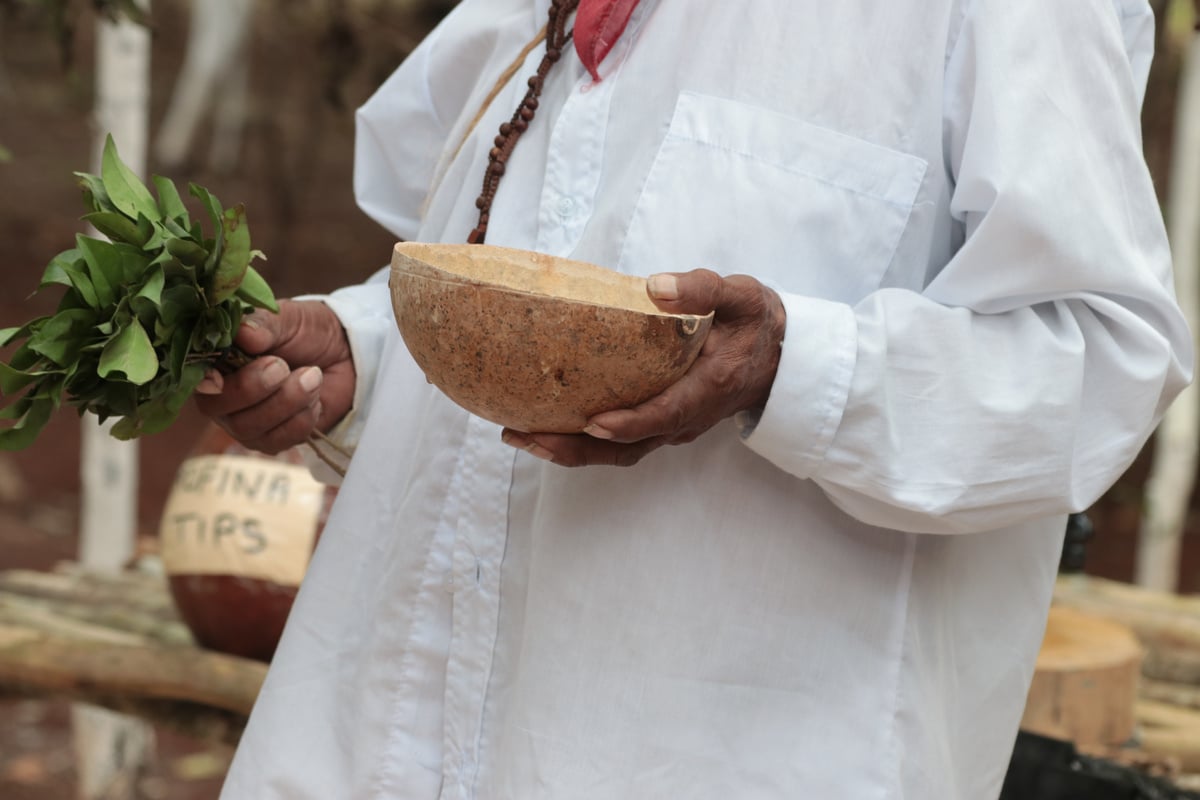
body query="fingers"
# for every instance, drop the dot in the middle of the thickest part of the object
(679, 414)
(261, 329)
(701, 291)
(695, 292)
(733, 372)
(303, 332)
(579, 450)
(266, 405)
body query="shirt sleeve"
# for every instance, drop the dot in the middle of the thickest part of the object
(1028, 373)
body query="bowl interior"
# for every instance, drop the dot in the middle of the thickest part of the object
(527, 272)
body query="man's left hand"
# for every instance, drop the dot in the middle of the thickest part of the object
(734, 372)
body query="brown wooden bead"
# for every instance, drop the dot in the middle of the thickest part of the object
(510, 131)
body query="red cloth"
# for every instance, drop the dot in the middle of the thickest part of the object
(598, 25)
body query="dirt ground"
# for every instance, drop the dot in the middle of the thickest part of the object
(313, 62)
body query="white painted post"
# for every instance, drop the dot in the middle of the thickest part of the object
(112, 749)
(1168, 489)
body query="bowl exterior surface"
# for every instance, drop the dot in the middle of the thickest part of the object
(535, 363)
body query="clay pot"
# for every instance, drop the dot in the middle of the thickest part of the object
(236, 536)
(534, 342)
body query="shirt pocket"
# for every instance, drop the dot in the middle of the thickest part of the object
(741, 189)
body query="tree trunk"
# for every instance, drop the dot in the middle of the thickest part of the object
(1173, 470)
(112, 750)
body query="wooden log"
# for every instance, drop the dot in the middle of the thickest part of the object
(1167, 625)
(204, 724)
(1085, 683)
(1167, 731)
(116, 641)
(1180, 695)
(32, 660)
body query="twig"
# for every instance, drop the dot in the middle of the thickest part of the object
(329, 462)
(233, 359)
(337, 448)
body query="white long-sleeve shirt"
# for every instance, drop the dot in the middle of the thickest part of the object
(844, 600)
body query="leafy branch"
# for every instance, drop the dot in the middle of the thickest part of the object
(142, 316)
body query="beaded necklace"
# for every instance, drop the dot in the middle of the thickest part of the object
(557, 37)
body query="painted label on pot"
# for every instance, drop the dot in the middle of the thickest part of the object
(243, 516)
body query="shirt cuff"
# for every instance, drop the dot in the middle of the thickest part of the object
(816, 365)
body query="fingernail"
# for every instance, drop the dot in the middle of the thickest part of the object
(212, 383)
(596, 432)
(536, 450)
(251, 323)
(311, 378)
(274, 373)
(663, 287)
(521, 443)
(318, 408)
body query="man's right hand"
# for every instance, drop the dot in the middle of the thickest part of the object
(302, 378)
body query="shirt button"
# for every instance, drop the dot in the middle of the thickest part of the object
(566, 207)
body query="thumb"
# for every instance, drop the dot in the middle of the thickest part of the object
(696, 292)
(261, 330)
(303, 333)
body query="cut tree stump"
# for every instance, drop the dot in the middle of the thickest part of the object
(1085, 684)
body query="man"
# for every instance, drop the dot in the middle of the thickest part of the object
(951, 323)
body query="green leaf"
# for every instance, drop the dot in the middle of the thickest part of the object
(50, 387)
(125, 189)
(14, 380)
(152, 289)
(117, 226)
(27, 428)
(255, 291)
(180, 303)
(170, 204)
(158, 414)
(94, 194)
(72, 299)
(178, 353)
(55, 274)
(115, 399)
(16, 409)
(10, 335)
(130, 353)
(187, 251)
(135, 264)
(77, 273)
(180, 231)
(215, 214)
(60, 337)
(104, 267)
(25, 358)
(235, 258)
